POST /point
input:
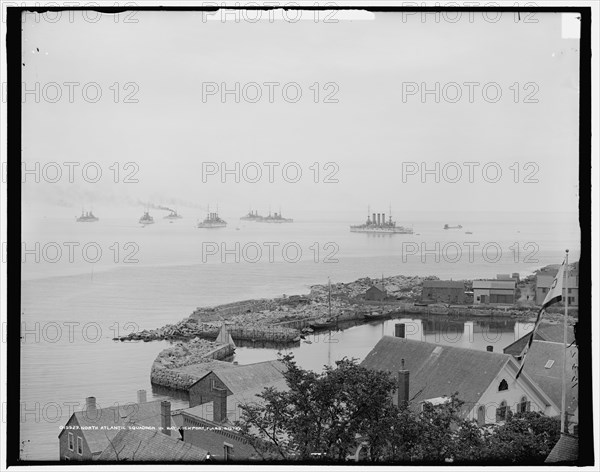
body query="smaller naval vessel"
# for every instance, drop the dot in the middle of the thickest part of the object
(173, 215)
(446, 226)
(146, 219)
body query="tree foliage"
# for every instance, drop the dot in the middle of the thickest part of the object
(329, 416)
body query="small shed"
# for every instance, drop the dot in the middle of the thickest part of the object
(376, 292)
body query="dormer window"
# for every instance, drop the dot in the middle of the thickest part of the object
(503, 385)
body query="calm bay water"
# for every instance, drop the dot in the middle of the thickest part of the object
(73, 308)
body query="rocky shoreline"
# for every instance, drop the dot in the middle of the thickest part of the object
(169, 367)
(287, 319)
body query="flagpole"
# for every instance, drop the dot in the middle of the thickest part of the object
(563, 410)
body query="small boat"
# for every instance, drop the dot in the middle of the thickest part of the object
(297, 339)
(374, 315)
(307, 341)
(468, 232)
(446, 226)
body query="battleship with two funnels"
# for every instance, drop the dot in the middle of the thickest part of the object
(378, 225)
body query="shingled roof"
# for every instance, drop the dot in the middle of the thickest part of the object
(114, 417)
(199, 370)
(565, 450)
(435, 370)
(239, 378)
(552, 332)
(550, 378)
(205, 411)
(150, 445)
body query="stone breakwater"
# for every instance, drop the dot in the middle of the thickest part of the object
(169, 367)
(190, 328)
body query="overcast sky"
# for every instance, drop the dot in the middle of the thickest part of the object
(369, 133)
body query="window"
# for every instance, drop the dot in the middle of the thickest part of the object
(570, 290)
(523, 405)
(70, 441)
(79, 445)
(503, 385)
(481, 415)
(501, 412)
(227, 452)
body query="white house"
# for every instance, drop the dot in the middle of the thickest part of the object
(484, 380)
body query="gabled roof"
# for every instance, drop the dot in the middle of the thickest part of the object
(497, 284)
(150, 445)
(199, 370)
(437, 370)
(239, 378)
(550, 379)
(205, 411)
(565, 450)
(377, 286)
(147, 414)
(552, 332)
(443, 284)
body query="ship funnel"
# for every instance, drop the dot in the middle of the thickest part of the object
(383, 218)
(378, 219)
(374, 219)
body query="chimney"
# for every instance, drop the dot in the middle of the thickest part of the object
(383, 218)
(489, 348)
(165, 417)
(378, 219)
(220, 405)
(403, 385)
(400, 330)
(141, 396)
(374, 219)
(90, 403)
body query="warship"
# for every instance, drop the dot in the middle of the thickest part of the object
(86, 217)
(275, 218)
(146, 219)
(212, 220)
(252, 216)
(378, 225)
(452, 227)
(173, 215)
